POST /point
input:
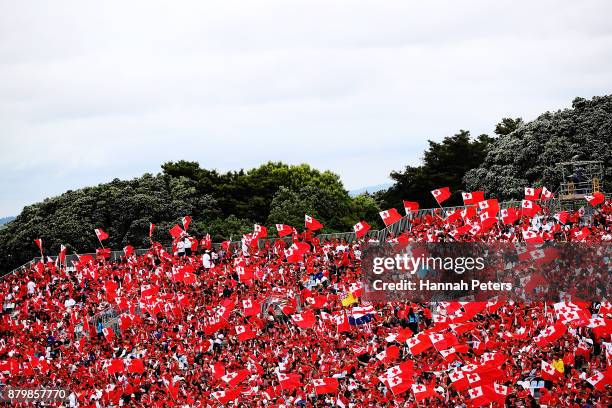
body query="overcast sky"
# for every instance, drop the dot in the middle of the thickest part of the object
(90, 91)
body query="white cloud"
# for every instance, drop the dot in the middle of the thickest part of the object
(92, 91)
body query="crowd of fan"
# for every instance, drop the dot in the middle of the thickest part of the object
(241, 325)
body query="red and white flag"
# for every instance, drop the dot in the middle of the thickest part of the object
(509, 215)
(546, 194)
(529, 208)
(251, 307)
(478, 397)
(419, 343)
(206, 242)
(390, 216)
(62, 254)
(259, 231)
(441, 194)
(361, 228)
(186, 221)
(311, 223)
(234, 378)
(151, 229)
(108, 333)
(226, 396)
(289, 381)
(38, 243)
(422, 392)
(245, 332)
(595, 199)
(549, 372)
(532, 194)
(305, 320)
(101, 234)
(325, 385)
(177, 232)
(284, 230)
(399, 384)
(410, 206)
(472, 198)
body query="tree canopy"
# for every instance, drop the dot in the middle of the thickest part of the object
(529, 154)
(444, 165)
(226, 205)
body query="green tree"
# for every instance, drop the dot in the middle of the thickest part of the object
(530, 154)
(444, 165)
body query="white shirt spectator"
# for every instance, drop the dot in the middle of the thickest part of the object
(31, 287)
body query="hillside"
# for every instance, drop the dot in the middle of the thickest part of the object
(528, 156)
(224, 205)
(228, 204)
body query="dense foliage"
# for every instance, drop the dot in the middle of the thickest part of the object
(224, 205)
(529, 155)
(444, 165)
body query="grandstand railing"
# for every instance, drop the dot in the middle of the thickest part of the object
(379, 235)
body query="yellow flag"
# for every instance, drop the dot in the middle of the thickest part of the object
(349, 300)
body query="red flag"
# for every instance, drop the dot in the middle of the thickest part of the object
(311, 223)
(128, 251)
(419, 343)
(135, 366)
(410, 206)
(595, 199)
(151, 228)
(361, 228)
(259, 231)
(115, 366)
(62, 254)
(325, 385)
(422, 392)
(443, 341)
(389, 355)
(177, 232)
(532, 237)
(478, 397)
(390, 216)
(206, 242)
(532, 194)
(546, 194)
(509, 215)
(108, 333)
(284, 230)
(38, 243)
(245, 333)
(101, 234)
(529, 208)
(186, 221)
(549, 372)
(490, 206)
(236, 377)
(251, 307)
(472, 198)
(399, 384)
(227, 396)
(289, 381)
(441, 194)
(458, 380)
(218, 370)
(305, 320)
